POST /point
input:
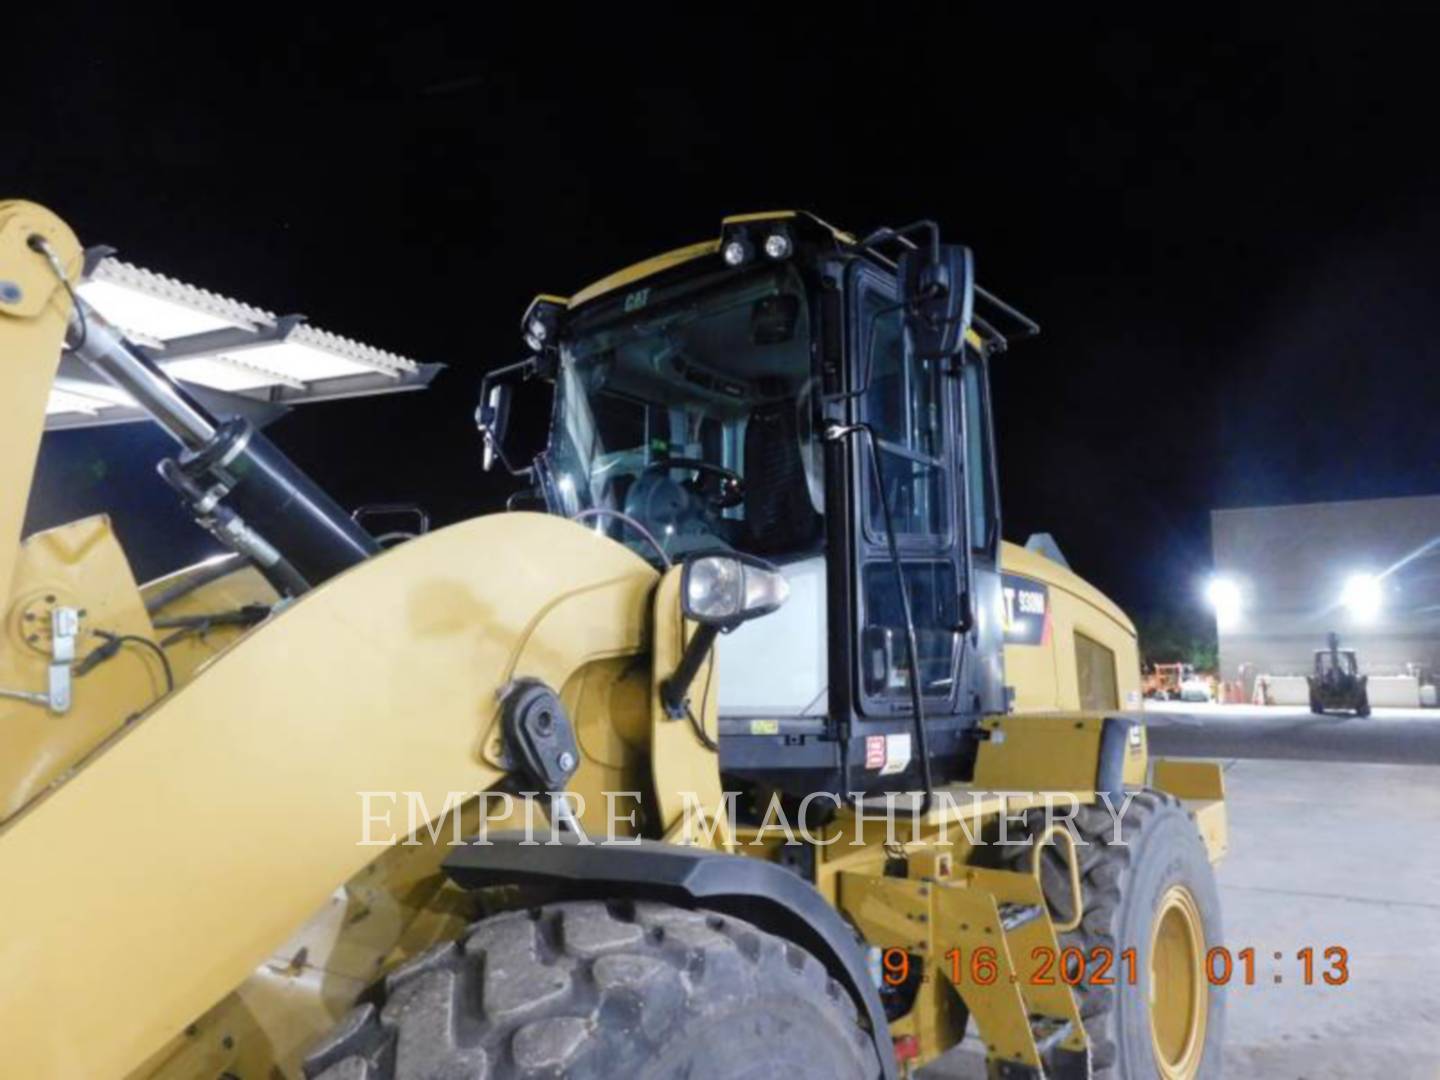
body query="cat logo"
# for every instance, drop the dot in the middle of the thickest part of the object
(636, 300)
(1026, 612)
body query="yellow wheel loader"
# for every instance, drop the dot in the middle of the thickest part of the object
(748, 749)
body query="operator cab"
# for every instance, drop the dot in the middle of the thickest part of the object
(755, 396)
(1333, 663)
(1341, 663)
(686, 424)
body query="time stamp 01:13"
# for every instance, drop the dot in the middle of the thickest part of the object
(1100, 966)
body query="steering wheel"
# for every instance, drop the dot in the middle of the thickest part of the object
(729, 486)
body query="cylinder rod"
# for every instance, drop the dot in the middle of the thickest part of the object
(105, 351)
(239, 485)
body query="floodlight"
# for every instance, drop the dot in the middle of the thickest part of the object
(1363, 596)
(217, 344)
(1224, 596)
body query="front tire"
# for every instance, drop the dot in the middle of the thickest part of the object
(1154, 893)
(604, 989)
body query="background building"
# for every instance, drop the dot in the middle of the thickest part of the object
(1286, 575)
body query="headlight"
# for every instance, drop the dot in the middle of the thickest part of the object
(541, 324)
(777, 245)
(736, 252)
(723, 589)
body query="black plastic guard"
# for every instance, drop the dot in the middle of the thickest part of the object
(1114, 747)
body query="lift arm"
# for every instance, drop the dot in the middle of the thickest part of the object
(34, 312)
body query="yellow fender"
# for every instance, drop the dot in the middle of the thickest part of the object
(158, 877)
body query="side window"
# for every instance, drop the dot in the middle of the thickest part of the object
(979, 471)
(1095, 673)
(903, 406)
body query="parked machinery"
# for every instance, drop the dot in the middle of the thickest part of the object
(1336, 683)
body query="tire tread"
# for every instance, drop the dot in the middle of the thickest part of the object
(574, 989)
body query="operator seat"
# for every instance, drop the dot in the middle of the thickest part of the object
(779, 516)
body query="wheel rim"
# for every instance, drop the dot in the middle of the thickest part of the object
(1179, 991)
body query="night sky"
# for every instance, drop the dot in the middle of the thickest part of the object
(1228, 232)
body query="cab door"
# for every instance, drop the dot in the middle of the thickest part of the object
(912, 460)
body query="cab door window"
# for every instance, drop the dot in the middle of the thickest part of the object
(904, 409)
(909, 406)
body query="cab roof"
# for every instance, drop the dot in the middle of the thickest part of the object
(668, 260)
(679, 256)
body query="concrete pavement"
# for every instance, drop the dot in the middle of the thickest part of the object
(1327, 854)
(1394, 736)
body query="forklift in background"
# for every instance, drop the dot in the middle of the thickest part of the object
(1336, 683)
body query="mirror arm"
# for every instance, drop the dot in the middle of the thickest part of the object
(902, 235)
(675, 691)
(1028, 327)
(520, 474)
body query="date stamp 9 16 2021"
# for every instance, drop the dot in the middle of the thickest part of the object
(1100, 966)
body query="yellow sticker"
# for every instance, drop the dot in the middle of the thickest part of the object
(764, 727)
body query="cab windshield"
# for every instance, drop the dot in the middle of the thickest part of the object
(687, 416)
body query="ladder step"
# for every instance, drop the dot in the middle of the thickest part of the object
(1049, 1031)
(1014, 916)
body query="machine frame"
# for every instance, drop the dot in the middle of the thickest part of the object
(192, 887)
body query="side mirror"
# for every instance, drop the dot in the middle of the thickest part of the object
(937, 283)
(492, 417)
(719, 592)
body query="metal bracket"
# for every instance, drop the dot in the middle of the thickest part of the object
(64, 629)
(538, 734)
(541, 740)
(230, 339)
